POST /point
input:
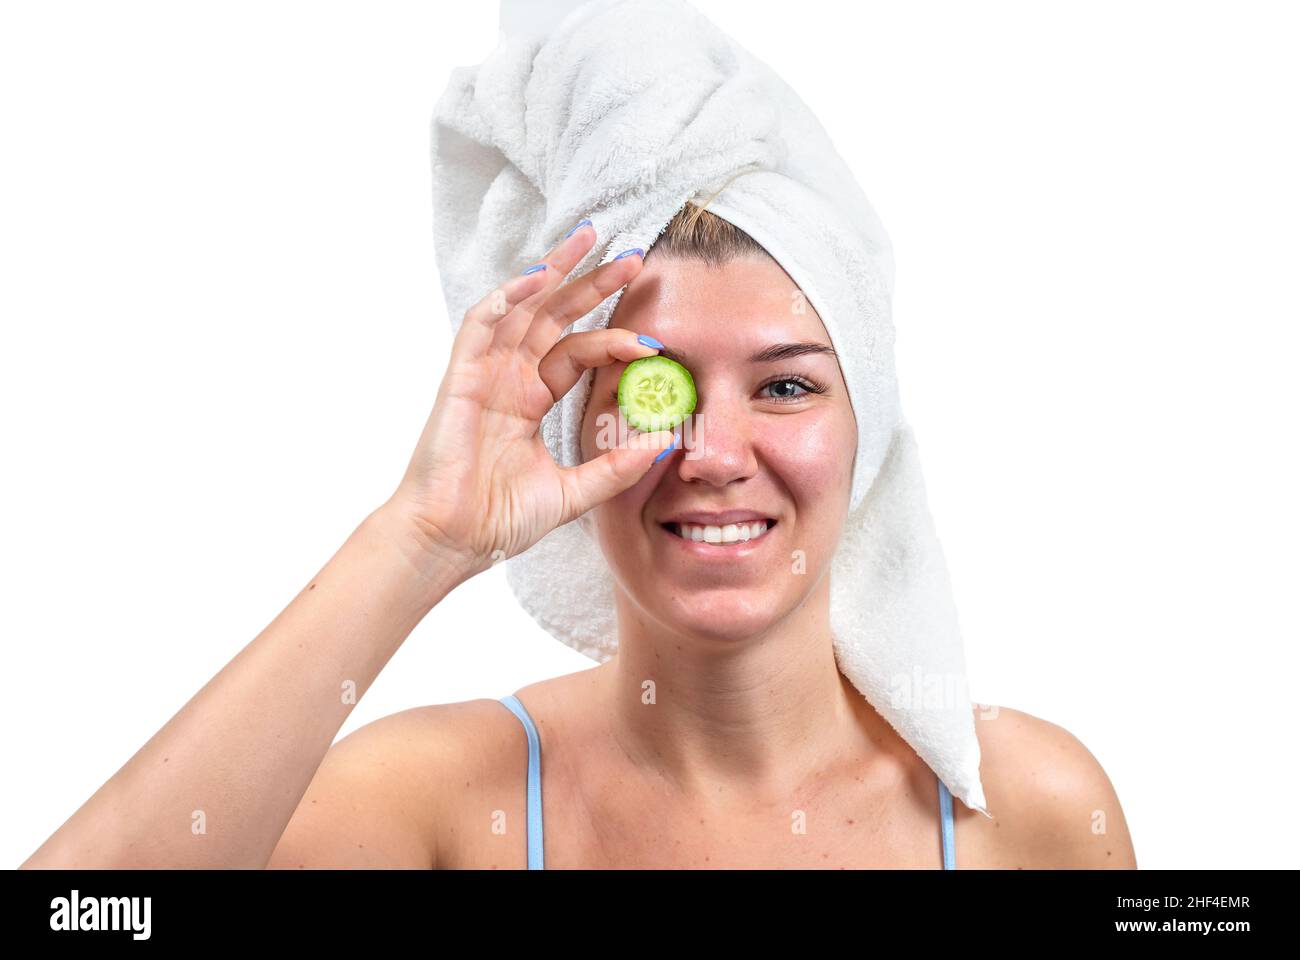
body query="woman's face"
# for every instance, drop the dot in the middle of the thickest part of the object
(773, 436)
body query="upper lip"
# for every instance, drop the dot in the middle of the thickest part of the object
(704, 518)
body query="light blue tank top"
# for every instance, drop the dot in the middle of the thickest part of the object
(535, 858)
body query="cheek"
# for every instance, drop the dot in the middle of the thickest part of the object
(620, 517)
(813, 453)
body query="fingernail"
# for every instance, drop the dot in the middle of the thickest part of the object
(534, 268)
(578, 226)
(667, 450)
(627, 253)
(649, 341)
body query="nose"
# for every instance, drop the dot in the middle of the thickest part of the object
(718, 442)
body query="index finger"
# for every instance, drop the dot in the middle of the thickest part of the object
(554, 267)
(577, 298)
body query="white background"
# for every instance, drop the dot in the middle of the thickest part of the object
(223, 331)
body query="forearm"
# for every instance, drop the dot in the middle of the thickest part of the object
(216, 786)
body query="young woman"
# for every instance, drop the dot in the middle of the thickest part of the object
(753, 723)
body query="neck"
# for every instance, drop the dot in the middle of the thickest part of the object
(763, 714)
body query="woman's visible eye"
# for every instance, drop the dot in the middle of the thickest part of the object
(785, 382)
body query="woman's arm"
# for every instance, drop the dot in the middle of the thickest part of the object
(216, 786)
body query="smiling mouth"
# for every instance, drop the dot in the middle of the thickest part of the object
(727, 535)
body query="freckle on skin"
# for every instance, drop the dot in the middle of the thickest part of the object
(312, 587)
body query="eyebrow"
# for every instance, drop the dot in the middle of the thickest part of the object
(770, 354)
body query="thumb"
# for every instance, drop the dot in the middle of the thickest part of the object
(592, 483)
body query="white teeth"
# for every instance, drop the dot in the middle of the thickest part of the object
(730, 533)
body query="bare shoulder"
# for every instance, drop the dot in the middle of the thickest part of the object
(1051, 803)
(383, 794)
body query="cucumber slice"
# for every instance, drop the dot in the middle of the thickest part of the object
(656, 393)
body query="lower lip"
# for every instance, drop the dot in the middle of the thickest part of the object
(725, 552)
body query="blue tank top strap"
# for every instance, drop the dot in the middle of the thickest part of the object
(945, 828)
(536, 859)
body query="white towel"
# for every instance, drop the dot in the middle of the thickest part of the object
(621, 111)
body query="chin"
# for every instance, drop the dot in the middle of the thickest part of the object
(725, 615)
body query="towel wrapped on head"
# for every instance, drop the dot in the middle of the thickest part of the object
(621, 111)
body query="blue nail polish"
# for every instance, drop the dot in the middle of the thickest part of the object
(534, 269)
(627, 253)
(667, 450)
(649, 341)
(578, 226)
